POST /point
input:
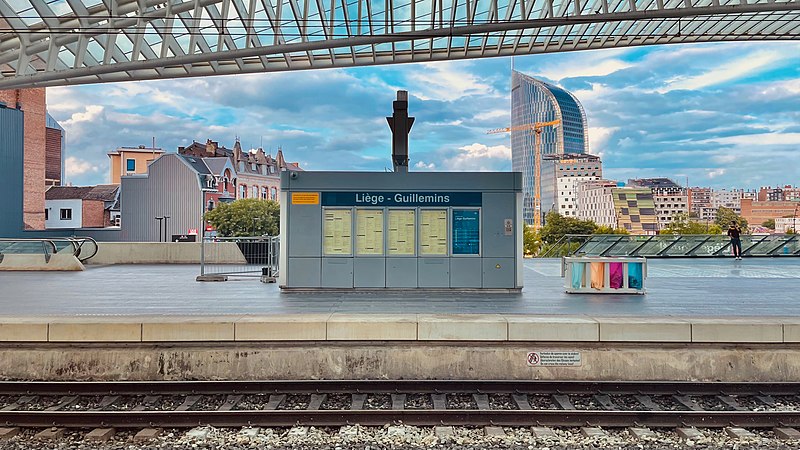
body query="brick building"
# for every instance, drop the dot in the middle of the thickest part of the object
(55, 140)
(81, 206)
(32, 102)
(757, 213)
(257, 174)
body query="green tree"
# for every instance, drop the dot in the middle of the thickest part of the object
(727, 216)
(769, 223)
(556, 226)
(682, 224)
(246, 217)
(531, 241)
(605, 229)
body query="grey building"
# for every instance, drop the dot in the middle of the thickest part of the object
(176, 186)
(11, 170)
(535, 101)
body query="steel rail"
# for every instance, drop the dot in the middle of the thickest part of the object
(419, 417)
(394, 386)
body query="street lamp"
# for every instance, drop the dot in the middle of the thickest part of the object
(794, 218)
(166, 238)
(159, 219)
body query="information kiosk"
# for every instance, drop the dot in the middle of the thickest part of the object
(401, 230)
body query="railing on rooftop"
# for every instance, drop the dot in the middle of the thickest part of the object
(260, 253)
(670, 245)
(81, 247)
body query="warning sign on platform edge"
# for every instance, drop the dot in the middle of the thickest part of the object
(554, 359)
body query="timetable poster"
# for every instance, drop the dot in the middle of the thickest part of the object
(433, 232)
(369, 232)
(466, 232)
(401, 232)
(337, 232)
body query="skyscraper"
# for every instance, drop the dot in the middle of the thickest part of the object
(535, 101)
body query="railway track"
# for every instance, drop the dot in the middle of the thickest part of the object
(423, 403)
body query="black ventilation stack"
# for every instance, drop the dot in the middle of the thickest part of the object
(400, 125)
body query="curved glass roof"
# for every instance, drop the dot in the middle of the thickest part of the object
(61, 42)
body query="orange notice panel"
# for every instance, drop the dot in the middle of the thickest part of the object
(305, 198)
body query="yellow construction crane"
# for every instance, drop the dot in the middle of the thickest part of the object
(536, 128)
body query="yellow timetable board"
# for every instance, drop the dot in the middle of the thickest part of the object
(402, 232)
(337, 232)
(433, 232)
(369, 232)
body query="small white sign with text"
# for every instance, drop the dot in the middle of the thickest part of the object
(552, 359)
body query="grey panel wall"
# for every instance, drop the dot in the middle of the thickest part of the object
(11, 170)
(171, 188)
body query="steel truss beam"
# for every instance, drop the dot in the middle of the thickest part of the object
(66, 42)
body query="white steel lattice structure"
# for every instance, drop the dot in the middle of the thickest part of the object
(62, 42)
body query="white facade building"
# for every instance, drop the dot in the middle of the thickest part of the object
(595, 202)
(784, 224)
(561, 175)
(63, 213)
(729, 199)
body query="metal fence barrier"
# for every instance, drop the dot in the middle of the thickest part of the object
(251, 256)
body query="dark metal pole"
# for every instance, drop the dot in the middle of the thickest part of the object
(400, 124)
(166, 237)
(159, 219)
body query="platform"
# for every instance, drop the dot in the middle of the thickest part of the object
(680, 287)
(700, 320)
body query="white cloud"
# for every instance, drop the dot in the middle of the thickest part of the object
(760, 139)
(589, 66)
(446, 82)
(599, 138)
(478, 157)
(74, 166)
(731, 70)
(493, 114)
(422, 165)
(90, 114)
(713, 173)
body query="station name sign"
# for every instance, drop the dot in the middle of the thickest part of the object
(401, 199)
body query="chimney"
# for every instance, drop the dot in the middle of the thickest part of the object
(400, 124)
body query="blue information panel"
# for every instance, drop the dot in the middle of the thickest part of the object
(466, 232)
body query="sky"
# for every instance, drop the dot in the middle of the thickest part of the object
(724, 115)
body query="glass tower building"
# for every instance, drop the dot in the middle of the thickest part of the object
(535, 101)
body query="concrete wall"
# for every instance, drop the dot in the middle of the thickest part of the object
(27, 262)
(165, 253)
(379, 360)
(11, 166)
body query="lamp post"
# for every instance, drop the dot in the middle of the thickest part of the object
(794, 218)
(159, 219)
(166, 238)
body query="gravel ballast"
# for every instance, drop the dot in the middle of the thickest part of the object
(394, 437)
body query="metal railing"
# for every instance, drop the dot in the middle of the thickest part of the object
(669, 245)
(82, 247)
(251, 256)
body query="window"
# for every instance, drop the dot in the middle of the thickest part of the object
(210, 205)
(274, 194)
(46, 214)
(66, 213)
(130, 165)
(242, 191)
(254, 192)
(264, 193)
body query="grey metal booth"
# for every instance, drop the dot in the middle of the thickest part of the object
(427, 230)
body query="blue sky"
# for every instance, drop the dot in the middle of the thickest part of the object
(724, 115)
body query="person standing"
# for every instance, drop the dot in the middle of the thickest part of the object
(736, 242)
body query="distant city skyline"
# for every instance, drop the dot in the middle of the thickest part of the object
(725, 115)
